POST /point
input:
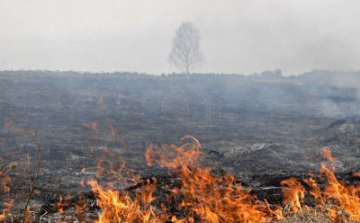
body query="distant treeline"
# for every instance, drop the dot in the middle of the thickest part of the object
(343, 78)
(318, 92)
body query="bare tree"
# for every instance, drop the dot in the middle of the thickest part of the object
(185, 53)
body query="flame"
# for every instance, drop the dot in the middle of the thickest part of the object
(4, 180)
(114, 135)
(7, 202)
(315, 191)
(59, 205)
(174, 156)
(293, 193)
(327, 153)
(80, 208)
(117, 170)
(196, 194)
(206, 197)
(118, 207)
(202, 195)
(338, 199)
(220, 199)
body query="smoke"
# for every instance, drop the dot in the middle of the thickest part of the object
(346, 79)
(237, 36)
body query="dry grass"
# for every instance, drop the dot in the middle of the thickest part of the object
(313, 216)
(306, 217)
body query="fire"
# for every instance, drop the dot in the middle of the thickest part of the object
(80, 207)
(60, 205)
(174, 156)
(327, 153)
(116, 171)
(196, 194)
(220, 199)
(4, 180)
(205, 197)
(4, 188)
(293, 193)
(340, 201)
(6, 211)
(201, 195)
(118, 207)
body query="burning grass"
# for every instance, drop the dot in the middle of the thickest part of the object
(5, 189)
(195, 194)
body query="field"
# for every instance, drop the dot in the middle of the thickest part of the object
(262, 129)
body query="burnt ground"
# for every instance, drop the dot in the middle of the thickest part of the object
(261, 128)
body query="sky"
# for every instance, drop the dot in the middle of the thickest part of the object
(237, 36)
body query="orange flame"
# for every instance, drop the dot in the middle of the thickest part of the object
(174, 156)
(80, 207)
(293, 193)
(4, 180)
(117, 208)
(59, 205)
(337, 198)
(7, 202)
(326, 152)
(202, 195)
(345, 197)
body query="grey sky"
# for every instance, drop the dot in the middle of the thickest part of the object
(238, 36)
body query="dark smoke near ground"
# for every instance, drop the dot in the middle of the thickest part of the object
(262, 128)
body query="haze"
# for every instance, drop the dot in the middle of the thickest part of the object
(237, 36)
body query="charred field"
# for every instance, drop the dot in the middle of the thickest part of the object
(96, 130)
